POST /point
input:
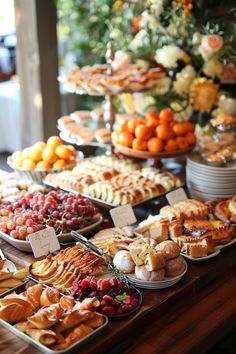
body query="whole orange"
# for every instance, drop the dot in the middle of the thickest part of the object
(152, 122)
(182, 142)
(123, 127)
(191, 138)
(190, 127)
(139, 144)
(132, 124)
(152, 115)
(143, 132)
(166, 115)
(179, 129)
(125, 139)
(155, 145)
(171, 145)
(164, 131)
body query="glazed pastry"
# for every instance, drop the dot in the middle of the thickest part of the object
(73, 336)
(124, 262)
(10, 283)
(43, 336)
(175, 266)
(20, 274)
(170, 248)
(89, 304)
(24, 325)
(5, 274)
(49, 296)
(67, 302)
(46, 317)
(72, 319)
(96, 321)
(15, 312)
(188, 209)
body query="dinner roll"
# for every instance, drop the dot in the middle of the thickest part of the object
(124, 262)
(175, 266)
(171, 249)
(142, 273)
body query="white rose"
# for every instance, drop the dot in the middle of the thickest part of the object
(139, 40)
(157, 7)
(184, 80)
(168, 56)
(212, 68)
(226, 104)
(143, 103)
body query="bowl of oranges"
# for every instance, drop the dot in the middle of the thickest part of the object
(36, 161)
(155, 136)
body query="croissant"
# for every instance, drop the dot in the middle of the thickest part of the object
(10, 283)
(4, 274)
(96, 321)
(73, 336)
(16, 299)
(33, 294)
(67, 302)
(89, 304)
(46, 317)
(49, 296)
(20, 274)
(43, 336)
(72, 319)
(24, 325)
(15, 312)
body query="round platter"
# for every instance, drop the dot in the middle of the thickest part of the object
(149, 155)
(155, 284)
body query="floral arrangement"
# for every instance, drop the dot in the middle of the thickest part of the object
(196, 60)
(198, 56)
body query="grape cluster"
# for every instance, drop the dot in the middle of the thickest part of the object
(36, 211)
(116, 298)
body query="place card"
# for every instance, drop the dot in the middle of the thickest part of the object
(123, 216)
(176, 196)
(44, 242)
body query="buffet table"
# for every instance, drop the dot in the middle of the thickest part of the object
(189, 317)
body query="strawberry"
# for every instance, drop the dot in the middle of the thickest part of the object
(127, 308)
(93, 285)
(107, 298)
(115, 303)
(113, 282)
(108, 310)
(128, 299)
(103, 303)
(134, 302)
(119, 311)
(104, 285)
(85, 283)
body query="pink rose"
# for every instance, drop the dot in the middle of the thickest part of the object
(121, 61)
(210, 44)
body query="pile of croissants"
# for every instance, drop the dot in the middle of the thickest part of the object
(50, 318)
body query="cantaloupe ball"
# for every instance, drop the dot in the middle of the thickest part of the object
(63, 152)
(25, 153)
(40, 145)
(17, 158)
(59, 163)
(49, 155)
(34, 154)
(54, 142)
(43, 165)
(28, 164)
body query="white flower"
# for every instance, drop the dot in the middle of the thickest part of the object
(184, 114)
(168, 55)
(157, 7)
(163, 85)
(212, 68)
(143, 103)
(196, 40)
(184, 80)
(139, 40)
(149, 20)
(225, 105)
(115, 33)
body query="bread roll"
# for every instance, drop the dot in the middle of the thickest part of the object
(124, 262)
(15, 312)
(24, 325)
(49, 297)
(96, 321)
(72, 319)
(21, 274)
(46, 337)
(10, 283)
(143, 274)
(175, 266)
(67, 302)
(155, 261)
(46, 317)
(171, 249)
(5, 274)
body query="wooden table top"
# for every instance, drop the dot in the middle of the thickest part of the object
(193, 314)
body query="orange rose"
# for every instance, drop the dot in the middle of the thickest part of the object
(210, 44)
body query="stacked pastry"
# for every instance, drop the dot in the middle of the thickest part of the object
(151, 263)
(9, 280)
(66, 266)
(51, 319)
(225, 210)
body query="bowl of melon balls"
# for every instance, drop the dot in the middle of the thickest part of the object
(36, 161)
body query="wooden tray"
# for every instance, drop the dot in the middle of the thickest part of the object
(149, 155)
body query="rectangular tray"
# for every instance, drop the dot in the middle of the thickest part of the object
(16, 288)
(47, 350)
(105, 205)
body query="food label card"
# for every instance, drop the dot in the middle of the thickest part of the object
(123, 216)
(176, 196)
(43, 242)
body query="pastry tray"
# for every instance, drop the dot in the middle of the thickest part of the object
(106, 205)
(16, 288)
(74, 347)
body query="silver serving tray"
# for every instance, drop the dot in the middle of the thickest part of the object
(105, 205)
(42, 347)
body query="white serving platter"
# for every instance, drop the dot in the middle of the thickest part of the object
(220, 247)
(201, 259)
(166, 283)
